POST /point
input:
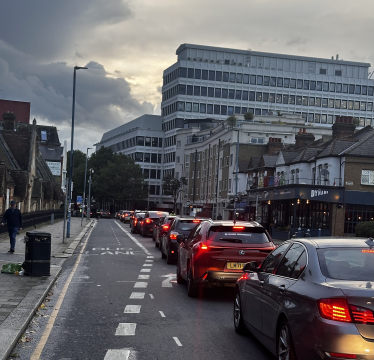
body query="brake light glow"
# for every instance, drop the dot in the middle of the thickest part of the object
(148, 221)
(342, 356)
(196, 221)
(368, 251)
(159, 213)
(362, 315)
(334, 309)
(203, 246)
(165, 227)
(173, 235)
(238, 227)
(135, 221)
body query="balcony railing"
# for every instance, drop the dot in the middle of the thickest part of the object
(274, 181)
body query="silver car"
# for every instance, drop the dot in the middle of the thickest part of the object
(311, 299)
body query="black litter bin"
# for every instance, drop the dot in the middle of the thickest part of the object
(37, 253)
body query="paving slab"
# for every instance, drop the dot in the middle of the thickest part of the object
(20, 296)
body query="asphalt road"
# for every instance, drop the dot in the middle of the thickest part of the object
(123, 303)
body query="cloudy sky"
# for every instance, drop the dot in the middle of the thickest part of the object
(126, 44)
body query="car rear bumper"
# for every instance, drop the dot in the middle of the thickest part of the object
(219, 278)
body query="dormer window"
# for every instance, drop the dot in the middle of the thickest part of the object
(43, 135)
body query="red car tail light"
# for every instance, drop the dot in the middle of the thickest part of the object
(362, 315)
(238, 227)
(342, 356)
(165, 227)
(203, 246)
(148, 221)
(159, 213)
(173, 235)
(334, 309)
(196, 221)
(368, 251)
(135, 222)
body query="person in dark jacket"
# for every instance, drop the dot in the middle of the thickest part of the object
(13, 218)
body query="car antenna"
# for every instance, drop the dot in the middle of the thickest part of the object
(370, 242)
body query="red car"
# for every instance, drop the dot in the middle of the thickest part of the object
(216, 252)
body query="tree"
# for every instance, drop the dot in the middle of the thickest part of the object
(231, 121)
(79, 164)
(248, 116)
(172, 186)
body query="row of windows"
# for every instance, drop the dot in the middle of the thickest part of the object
(147, 157)
(269, 98)
(169, 157)
(137, 141)
(151, 174)
(237, 110)
(274, 81)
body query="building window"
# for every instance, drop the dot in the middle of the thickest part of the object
(198, 174)
(231, 158)
(43, 135)
(367, 177)
(322, 71)
(178, 160)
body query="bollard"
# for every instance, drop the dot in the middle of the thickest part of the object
(319, 232)
(52, 218)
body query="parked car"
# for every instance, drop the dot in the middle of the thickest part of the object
(125, 216)
(135, 224)
(180, 227)
(160, 228)
(151, 217)
(104, 214)
(216, 252)
(311, 299)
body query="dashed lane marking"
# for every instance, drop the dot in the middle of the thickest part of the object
(149, 261)
(162, 314)
(147, 264)
(145, 270)
(134, 240)
(143, 277)
(120, 354)
(177, 341)
(132, 309)
(140, 284)
(137, 295)
(150, 257)
(126, 329)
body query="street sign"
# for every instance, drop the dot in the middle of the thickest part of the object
(79, 199)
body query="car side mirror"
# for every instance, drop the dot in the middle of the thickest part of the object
(251, 266)
(180, 238)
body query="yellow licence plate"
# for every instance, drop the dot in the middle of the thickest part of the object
(235, 266)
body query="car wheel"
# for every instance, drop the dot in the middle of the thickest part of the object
(169, 258)
(163, 256)
(285, 349)
(192, 289)
(238, 316)
(156, 244)
(180, 280)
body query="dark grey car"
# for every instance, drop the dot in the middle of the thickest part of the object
(311, 299)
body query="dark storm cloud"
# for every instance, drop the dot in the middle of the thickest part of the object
(102, 102)
(45, 28)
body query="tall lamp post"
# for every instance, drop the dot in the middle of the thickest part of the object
(71, 150)
(181, 191)
(89, 196)
(84, 187)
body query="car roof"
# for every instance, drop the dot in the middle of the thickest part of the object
(334, 241)
(237, 223)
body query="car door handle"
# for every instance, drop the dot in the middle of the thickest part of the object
(282, 288)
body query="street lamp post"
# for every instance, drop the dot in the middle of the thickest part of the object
(84, 187)
(71, 150)
(89, 197)
(181, 192)
(236, 177)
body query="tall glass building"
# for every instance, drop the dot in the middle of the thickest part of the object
(213, 82)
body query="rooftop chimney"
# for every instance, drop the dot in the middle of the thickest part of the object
(343, 127)
(9, 121)
(274, 145)
(303, 138)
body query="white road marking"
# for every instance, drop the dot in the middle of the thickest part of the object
(162, 314)
(126, 329)
(143, 277)
(137, 295)
(177, 341)
(147, 264)
(126, 281)
(167, 282)
(151, 296)
(140, 285)
(150, 257)
(119, 354)
(134, 240)
(145, 270)
(149, 261)
(132, 309)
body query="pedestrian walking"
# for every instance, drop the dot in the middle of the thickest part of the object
(13, 218)
(219, 217)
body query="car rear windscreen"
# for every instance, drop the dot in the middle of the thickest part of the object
(347, 264)
(138, 215)
(238, 234)
(156, 214)
(185, 225)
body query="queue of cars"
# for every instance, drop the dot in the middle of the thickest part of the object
(306, 299)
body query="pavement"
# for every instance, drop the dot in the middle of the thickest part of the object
(21, 296)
